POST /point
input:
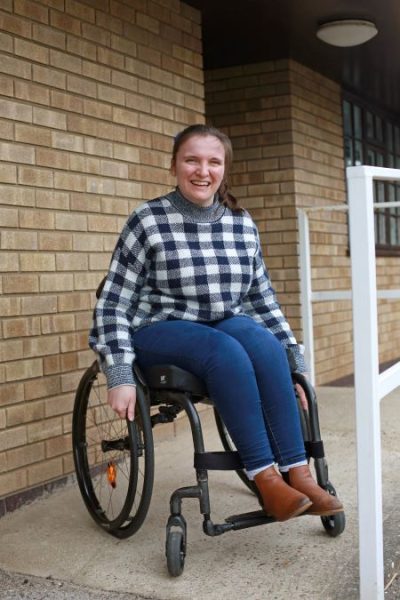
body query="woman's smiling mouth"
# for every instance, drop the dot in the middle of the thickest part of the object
(200, 183)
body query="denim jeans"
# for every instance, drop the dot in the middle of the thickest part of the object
(247, 376)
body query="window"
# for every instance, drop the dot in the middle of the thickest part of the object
(374, 139)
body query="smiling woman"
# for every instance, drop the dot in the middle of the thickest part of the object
(187, 286)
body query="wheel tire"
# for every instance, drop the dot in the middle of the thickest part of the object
(114, 458)
(175, 551)
(334, 525)
(229, 446)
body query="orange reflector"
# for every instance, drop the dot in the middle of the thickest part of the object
(112, 474)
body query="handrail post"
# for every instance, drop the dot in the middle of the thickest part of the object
(366, 370)
(306, 292)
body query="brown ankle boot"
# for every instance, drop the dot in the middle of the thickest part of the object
(279, 499)
(323, 503)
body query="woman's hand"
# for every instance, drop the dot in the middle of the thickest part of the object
(122, 399)
(301, 394)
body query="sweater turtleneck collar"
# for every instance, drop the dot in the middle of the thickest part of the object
(193, 212)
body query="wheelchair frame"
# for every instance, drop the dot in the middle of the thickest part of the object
(126, 448)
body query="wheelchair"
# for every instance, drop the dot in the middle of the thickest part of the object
(114, 458)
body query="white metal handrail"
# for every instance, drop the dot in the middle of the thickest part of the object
(370, 386)
(307, 294)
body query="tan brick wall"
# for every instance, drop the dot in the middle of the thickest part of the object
(388, 277)
(285, 122)
(91, 93)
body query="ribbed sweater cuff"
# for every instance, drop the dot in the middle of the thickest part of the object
(296, 359)
(119, 375)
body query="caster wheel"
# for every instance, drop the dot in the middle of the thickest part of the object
(334, 524)
(175, 551)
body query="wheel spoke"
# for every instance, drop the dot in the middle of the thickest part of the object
(113, 458)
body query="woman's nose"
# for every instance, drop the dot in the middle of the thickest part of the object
(202, 168)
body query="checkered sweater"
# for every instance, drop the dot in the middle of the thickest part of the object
(176, 260)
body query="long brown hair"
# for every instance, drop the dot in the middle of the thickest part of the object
(225, 196)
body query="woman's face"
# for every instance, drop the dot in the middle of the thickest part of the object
(199, 168)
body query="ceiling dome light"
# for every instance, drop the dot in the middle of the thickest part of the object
(347, 32)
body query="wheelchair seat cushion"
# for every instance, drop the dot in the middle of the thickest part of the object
(170, 377)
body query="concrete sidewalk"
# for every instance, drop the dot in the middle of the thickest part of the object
(52, 549)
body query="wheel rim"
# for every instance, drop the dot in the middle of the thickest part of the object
(113, 458)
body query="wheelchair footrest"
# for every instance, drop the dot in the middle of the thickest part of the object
(249, 519)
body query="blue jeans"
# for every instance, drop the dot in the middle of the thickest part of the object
(247, 376)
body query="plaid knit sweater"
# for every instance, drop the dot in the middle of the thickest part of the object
(176, 260)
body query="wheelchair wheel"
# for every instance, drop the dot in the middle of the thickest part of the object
(333, 524)
(114, 458)
(229, 446)
(175, 551)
